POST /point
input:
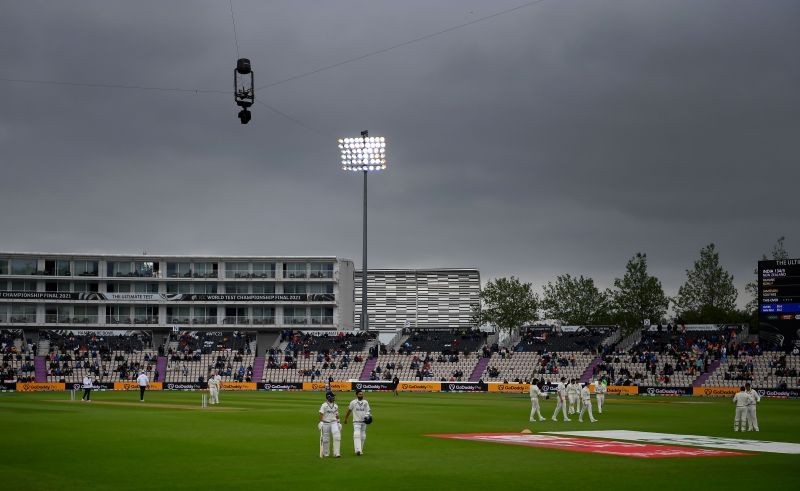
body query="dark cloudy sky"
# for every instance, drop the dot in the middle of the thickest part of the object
(562, 137)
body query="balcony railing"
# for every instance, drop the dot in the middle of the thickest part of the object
(295, 320)
(322, 320)
(70, 319)
(17, 318)
(254, 275)
(137, 274)
(131, 320)
(294, 274)
(321, 273)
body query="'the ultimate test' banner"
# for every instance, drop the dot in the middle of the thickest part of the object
(169, 297)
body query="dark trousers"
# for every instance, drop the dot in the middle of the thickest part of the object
(87, 394)
(141, 392)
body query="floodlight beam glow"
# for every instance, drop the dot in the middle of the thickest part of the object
(363, 154)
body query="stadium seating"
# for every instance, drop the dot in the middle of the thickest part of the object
(526, 365)
(450, 341)
(285, 366)
(16, 357)
(419, 365)
(770, 369)
(231, 366)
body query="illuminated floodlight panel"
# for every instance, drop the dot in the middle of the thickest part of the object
(363, 154)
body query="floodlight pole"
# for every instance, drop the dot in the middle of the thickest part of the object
(364, 323)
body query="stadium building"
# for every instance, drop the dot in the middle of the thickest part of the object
(431, 299)
(161, 293)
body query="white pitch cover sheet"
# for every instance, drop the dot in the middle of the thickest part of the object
(688, 440)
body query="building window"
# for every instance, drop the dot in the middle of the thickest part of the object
(295, 315)
(23, 266)
(118, 314)
(205, 288)
(118, 287)
(146, 269)
(322, 315)
(321, 270)
(57, 286)
(263, 270)
(237, 270)
(54, 267)
(179, 270)
(145, 314)
(23, 286)
(241, 288)
(321, 288)
(86, 268)
(85, 314)
(22, 313)
(85, 287)
(263, 315)
(294, 288)
(236, 315)
(204, 315)
(294, 270)
(145, 287)
(205, 270)
(178, 315)
(179, 287)
(3, 266)
(261, 288)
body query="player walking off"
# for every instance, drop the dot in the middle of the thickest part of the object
(586, 399)
(536, 393)
(752, 418)
(213, 387)
(362, 416)
(572, 395)
(742, 401)
(329, 426)
(561, 400)
(600, 394)
(143, 381)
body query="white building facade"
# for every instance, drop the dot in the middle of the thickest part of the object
(95, 291)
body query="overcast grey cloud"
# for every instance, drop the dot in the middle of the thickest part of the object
(563, 137)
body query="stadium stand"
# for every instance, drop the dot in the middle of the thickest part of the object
(581, 338)
(420, 365)
(668, 356)
(763, 369)
(310, 357)
(113, 356)
(17, 357)
(192, 355)
(443, 341)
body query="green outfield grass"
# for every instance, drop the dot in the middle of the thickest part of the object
(269, 440)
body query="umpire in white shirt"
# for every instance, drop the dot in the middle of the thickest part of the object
(143, 381)
(362, 416)
(87, 388)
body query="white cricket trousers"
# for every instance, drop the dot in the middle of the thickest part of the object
(741, 419)
(359, 436)
(560, 405)
(752, 419)
(571, 398)
(213, 395)
(536, 410)
(587, 404)
(601, 398)
(329, 429)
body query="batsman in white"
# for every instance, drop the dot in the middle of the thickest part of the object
(586, 400)
(742, 400)
(536, 393)
(572, 394)
(362, 416)
(329, 426)
(561, 400)
(752, 418)
(600, 394)
(213, 387)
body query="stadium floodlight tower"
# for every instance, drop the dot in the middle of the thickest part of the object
(365, 154)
